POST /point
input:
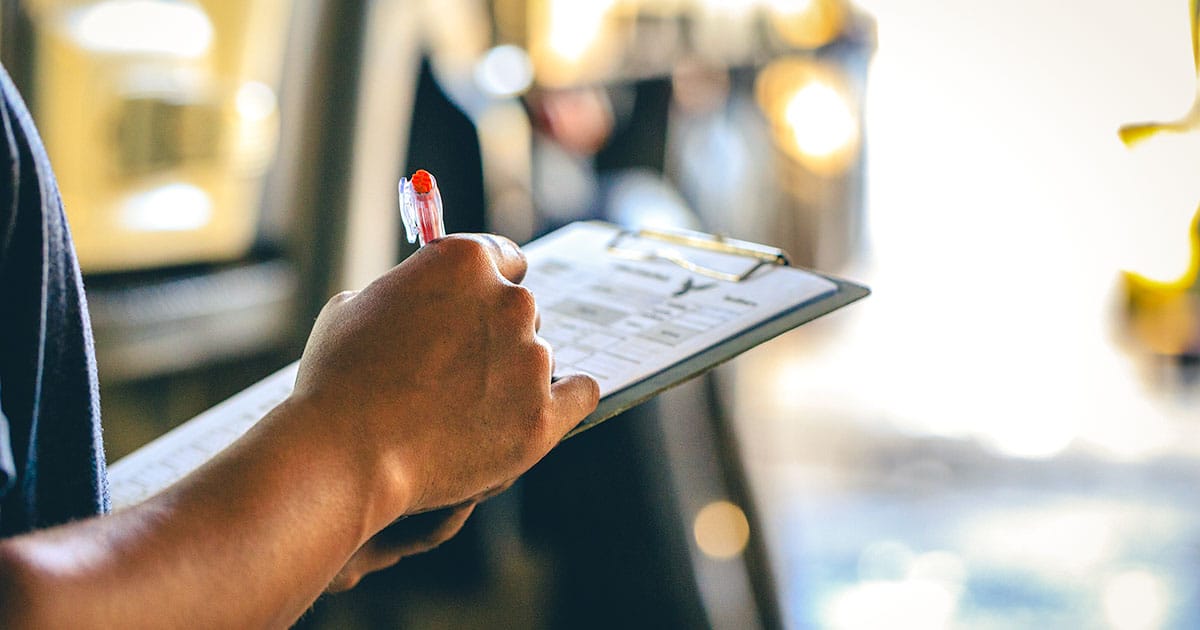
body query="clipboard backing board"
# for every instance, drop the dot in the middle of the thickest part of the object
(629, 397)
(677, 246)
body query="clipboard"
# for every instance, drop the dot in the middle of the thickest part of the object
(648, 252)
(672, 247)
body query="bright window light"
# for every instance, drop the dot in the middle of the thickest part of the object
(721, 530)
(1135, 600)
(575, 25)
(504, 71)
(174, 207)
(255, 101)
(821, 120)
(146, 27)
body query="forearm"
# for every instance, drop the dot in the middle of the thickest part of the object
(249, 540)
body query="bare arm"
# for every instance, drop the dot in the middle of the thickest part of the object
(426, 390)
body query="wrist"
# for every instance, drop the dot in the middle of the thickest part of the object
(328, 435)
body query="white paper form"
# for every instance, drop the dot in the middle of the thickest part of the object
(183, 449)
(619, 320)
(623, 320)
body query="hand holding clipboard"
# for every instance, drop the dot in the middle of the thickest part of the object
(640, 311)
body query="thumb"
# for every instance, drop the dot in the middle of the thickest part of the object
(572, 397)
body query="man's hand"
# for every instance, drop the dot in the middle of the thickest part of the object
(428, 390)
(435, 373)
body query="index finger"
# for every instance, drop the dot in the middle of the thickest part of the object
(509, 258)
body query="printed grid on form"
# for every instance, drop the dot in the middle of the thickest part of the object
(619, 320)
(623, 320)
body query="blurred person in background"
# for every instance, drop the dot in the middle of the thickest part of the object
(309, 499)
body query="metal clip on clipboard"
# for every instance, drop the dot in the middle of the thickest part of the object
(763, 254)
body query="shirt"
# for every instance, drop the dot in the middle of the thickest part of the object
(51, 452)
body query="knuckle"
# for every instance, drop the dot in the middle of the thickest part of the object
(334, 305)
(339, 299)
(541, 355)
(462, 251)
(468, 261)
(504, 248)
(519, 303)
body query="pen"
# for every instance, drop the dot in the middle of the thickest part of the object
(421, 207)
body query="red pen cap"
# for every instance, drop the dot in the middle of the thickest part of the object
(421, 207)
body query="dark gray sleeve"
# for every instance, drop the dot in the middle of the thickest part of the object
(9, 176)
(50, 396)
(8, 468)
